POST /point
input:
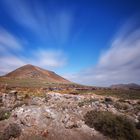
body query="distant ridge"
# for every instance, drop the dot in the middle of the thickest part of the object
(36, 73)
(126, 86)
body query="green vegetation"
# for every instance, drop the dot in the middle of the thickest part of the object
(4, 114)
(114, 126)
(31, 82)
(119, 93)
(38, 87)
(121, 106)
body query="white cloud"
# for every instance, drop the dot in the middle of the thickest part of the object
(48, 58)
(119, 64)
(45, 59)
(21, 13)
(8, 41)
(12, 57)
(9, 63)
(45, 24)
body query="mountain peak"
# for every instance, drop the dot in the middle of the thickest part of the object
(28, 66)
(34, 72)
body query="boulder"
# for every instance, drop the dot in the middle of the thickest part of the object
(9, 99)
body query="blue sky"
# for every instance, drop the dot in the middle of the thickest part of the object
(93, 42)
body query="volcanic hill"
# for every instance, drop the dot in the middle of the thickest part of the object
(31, 75)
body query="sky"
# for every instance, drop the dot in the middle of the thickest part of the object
(92, 42)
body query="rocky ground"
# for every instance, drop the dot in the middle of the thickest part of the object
(57, 116)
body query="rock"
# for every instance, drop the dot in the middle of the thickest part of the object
(9, 99)
(34, 115)
(66, 118)
(13, 92)
(112, 109)
(45, 133)
(54, 95)
(37, 101)
(71, 125)
(57, 115)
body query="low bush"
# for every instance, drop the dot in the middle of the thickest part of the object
(121, 106)
(12, 131)
(114, 126)
(108, 99)
(138, 123)
(4, 114)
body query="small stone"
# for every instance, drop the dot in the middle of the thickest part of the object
(45, 133)
(13, 92)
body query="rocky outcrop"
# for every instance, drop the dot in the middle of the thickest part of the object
(60, 116)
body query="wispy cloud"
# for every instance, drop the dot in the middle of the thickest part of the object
(119, 64)
(9, 63)
(8, 41)
(49, 58)
(45, 24)
(21, 13)
(10, 46)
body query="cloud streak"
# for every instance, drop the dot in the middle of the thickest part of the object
(49, 58)
(119, 64)
(10, 46)
(8, 41)
(45, 24)
(47, 27)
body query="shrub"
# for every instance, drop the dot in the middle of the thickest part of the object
(138, 123)
(12, 131)
(114, 126)
(108, 99)
(26, 96)
(121, 106)
(4, 114)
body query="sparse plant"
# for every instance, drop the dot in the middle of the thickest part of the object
(26, 96)
(12, 131)
(114, 126)
(138, 123)
(108, 99)
(4, 114)
(121, 106)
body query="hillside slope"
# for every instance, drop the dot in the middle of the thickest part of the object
(32, 74)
